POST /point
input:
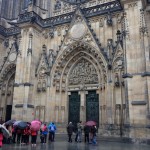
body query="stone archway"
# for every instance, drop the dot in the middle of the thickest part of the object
(7, 89)
(83, 81)
(66, 78)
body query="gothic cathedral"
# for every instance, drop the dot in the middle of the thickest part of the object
(72, 60)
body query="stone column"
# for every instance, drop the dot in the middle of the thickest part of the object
(82, 106)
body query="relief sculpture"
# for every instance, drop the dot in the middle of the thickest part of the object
(83, 73)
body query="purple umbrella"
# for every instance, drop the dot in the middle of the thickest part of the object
(16, 123)
(90, 123)
(10, 122)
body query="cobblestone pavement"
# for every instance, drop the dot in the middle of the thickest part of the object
(62, 144)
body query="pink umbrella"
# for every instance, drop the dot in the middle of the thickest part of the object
(90, 123)
(35, 125)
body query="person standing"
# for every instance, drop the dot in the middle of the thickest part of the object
(33, 138)
(93, 131)
(52, 130)
(19, 134)
(9, 140)
(86, 133)
(44, 133)
(26, 135)
(70, 129)
(14, 132)
(79, 131)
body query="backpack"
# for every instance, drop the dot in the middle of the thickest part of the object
(52, 128)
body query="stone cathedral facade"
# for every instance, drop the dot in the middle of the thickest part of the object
(71, 60)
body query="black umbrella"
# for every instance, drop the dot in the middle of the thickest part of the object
(22, 125)
(10, 122)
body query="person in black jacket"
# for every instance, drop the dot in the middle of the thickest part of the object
(86, 133)
(70, 129)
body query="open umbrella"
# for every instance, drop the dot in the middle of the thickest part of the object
(16, 123)
(22, 125)
(90, 123)
(5, 131)
(10, 122)
(35, 125)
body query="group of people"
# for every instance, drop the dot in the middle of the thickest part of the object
(22, 136)
(89, 132)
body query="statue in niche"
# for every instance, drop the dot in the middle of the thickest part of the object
(109, 19)
(116, 79)
(51, 57)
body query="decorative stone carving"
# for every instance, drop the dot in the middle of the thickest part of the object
(68, 42)
(6, 43)
(143, 27)
(57, 5)
(51, 32)
(125, 27)
(51, 57)
(109, 19)
(101, 22)
(78, 30)
(87, 38)
(83, 73)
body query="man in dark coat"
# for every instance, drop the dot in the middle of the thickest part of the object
(86, 133)
(70, 129)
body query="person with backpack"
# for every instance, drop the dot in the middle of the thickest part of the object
(52, 130)
(44, 133)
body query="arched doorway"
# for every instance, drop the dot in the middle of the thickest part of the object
(83, 103)
(79, 70)
(7, 89)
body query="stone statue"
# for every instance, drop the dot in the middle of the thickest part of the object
(51, 57)
(109, 19)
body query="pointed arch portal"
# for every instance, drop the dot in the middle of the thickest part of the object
(80, 70)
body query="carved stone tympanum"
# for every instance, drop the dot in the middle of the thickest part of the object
(83, 72)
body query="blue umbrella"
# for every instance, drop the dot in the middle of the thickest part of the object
(22, 125)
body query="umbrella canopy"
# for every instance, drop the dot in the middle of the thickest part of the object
(10, 122)
(5, 131)
(35, 125)
(16, 123)
(22, 125)
(90, 123)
